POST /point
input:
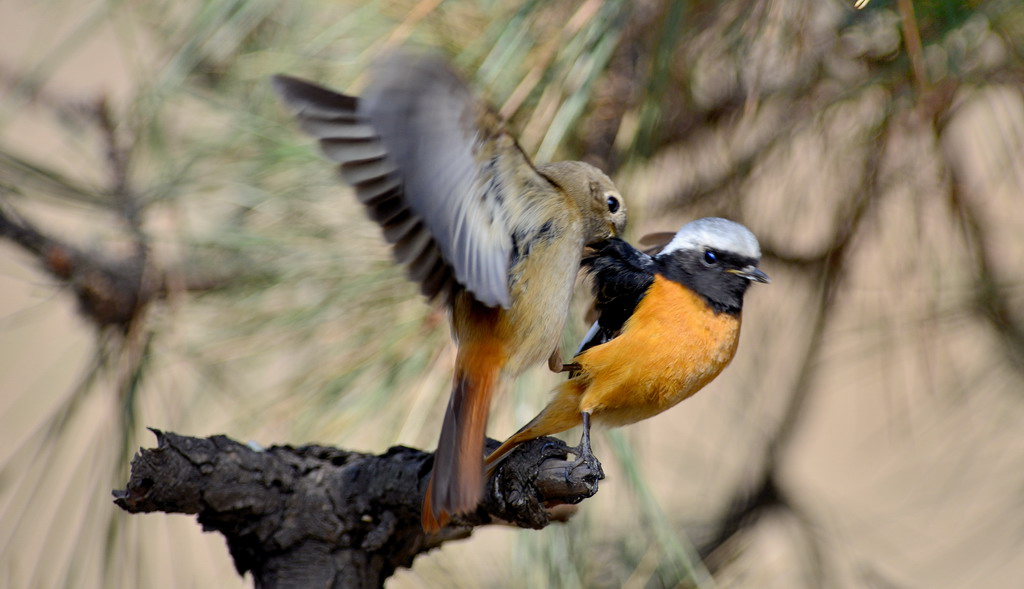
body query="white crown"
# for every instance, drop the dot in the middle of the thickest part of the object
(718, 234)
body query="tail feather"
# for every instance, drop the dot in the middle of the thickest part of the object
(456, 485)
(430, 520)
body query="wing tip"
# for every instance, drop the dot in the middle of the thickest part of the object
(299, 93)
(496, 298)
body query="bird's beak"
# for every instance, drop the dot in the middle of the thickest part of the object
(751, 273)
(613, 231)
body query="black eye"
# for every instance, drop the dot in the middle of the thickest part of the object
(613, 204)
(710, 258)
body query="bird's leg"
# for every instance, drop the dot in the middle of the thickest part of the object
(584, 456)
(584, 446)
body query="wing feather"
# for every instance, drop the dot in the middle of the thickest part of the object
(621, 276)
(434, 166)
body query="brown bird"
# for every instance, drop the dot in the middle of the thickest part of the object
(667, 326)
(495, 238)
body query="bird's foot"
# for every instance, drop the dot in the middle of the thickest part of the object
(586, 466)
(585, 458)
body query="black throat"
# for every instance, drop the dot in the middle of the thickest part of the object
(722, 290)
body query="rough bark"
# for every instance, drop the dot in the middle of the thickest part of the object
(315, 516)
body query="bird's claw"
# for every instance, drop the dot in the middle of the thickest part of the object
(586, 466)
(554, 448)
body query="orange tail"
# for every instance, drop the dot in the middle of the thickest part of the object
(456, 484)
(562, 413)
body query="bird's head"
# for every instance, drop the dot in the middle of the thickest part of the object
(595, 196)
(716, 258)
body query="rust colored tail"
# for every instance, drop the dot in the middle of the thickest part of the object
(562, 413)
(456, 484)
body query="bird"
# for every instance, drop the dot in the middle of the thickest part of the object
(667, 325)
(485, 232)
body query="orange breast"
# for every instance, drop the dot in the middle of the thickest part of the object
(671, 346)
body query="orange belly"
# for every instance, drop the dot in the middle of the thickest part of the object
(671, 346)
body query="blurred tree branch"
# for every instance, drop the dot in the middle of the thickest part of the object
(111, 291)
(990, 300)
(751, 503)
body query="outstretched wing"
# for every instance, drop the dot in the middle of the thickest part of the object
(621, 276)
(434, 166)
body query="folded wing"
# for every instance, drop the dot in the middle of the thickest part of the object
(621, 276)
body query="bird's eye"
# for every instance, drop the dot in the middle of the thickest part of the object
(613, 204)
(710, 258)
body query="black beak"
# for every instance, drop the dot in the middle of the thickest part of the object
(751, 273)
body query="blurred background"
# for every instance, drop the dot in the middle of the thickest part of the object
(870, 432)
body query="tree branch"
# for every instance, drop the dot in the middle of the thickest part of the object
(112, 289)
(322, 517)
(110, 292)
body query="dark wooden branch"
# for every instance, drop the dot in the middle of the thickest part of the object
(315, 516)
